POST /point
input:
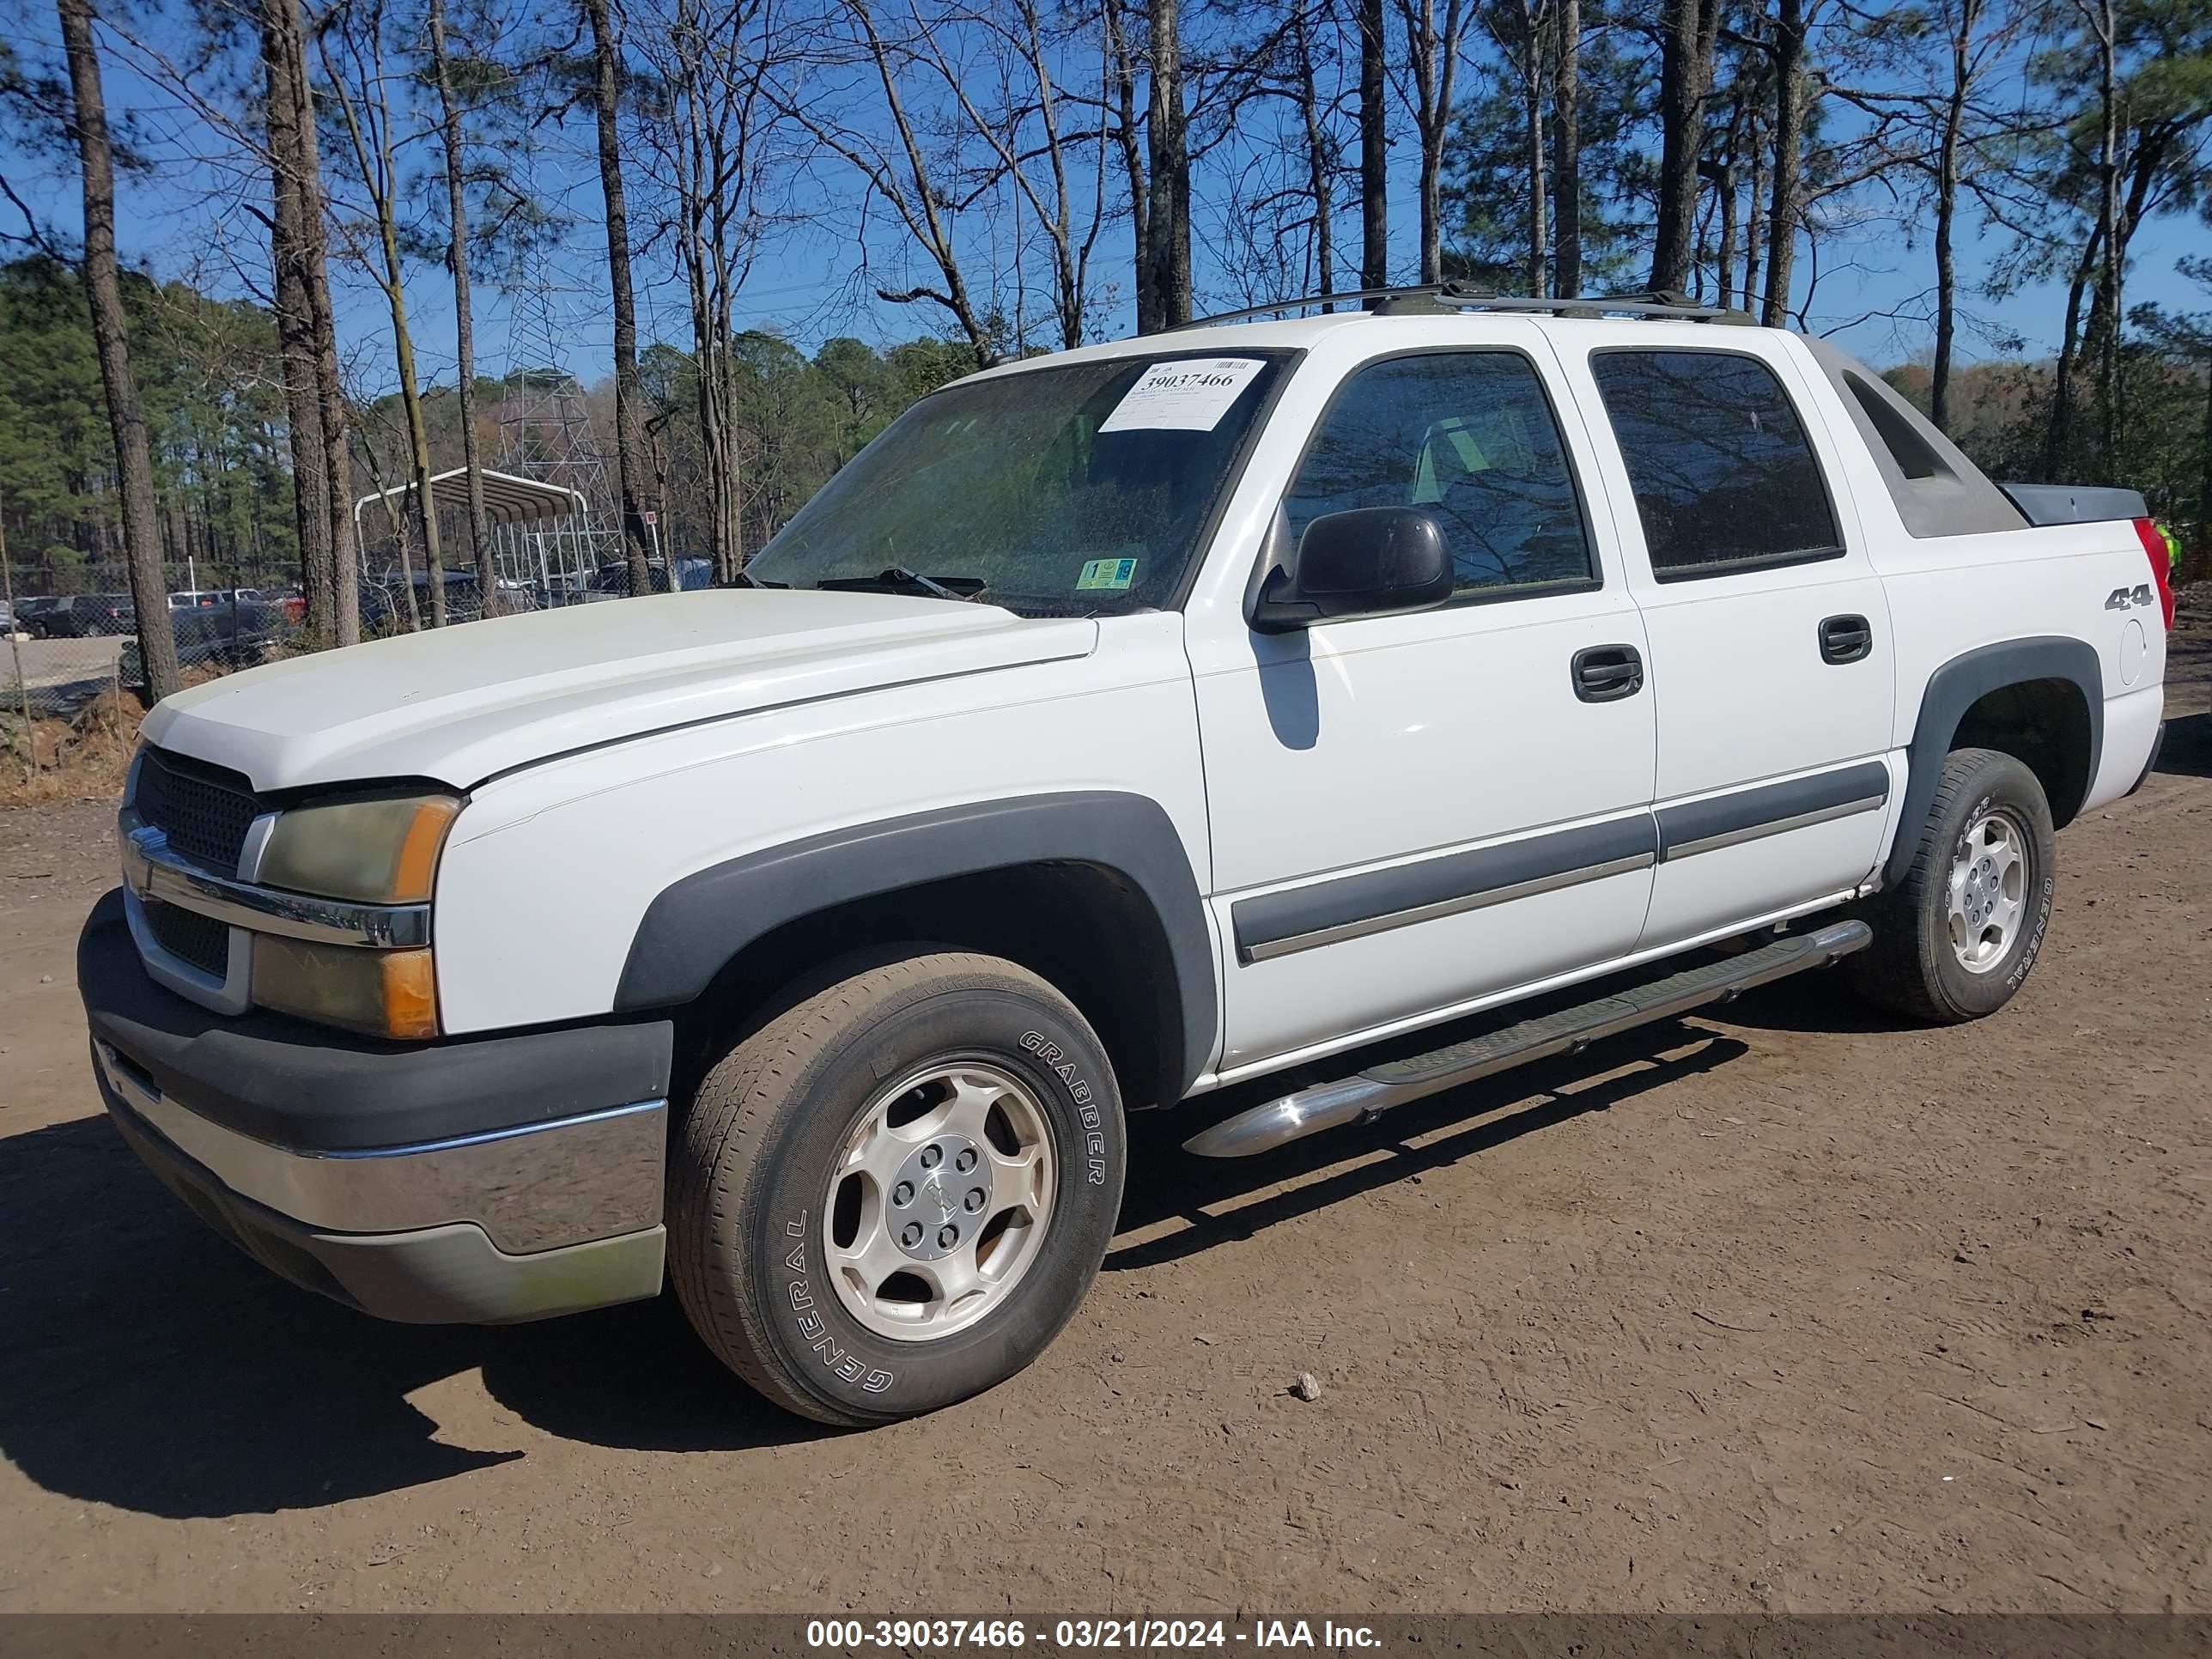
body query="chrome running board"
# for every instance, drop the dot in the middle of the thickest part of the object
(1370, 1093)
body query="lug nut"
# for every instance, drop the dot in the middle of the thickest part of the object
(974, 1201)
(931, 1155)
(966, 1161)
(903, 1194)
(947, 1237)
(912, 1236)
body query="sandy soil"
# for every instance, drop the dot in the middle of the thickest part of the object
(1794, 1309)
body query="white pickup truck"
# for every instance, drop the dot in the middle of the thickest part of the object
(1119, 725)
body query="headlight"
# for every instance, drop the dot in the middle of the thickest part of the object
(372, 850)
(378, 852)
(392, 994)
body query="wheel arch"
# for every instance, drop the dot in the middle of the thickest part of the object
(1091, 889)
(2041, 700)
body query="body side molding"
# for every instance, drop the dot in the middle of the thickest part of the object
(697, 924)
(1769, 808)
(1346, 907)
(1956, 687)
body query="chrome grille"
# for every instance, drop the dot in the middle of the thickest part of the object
(189, 937)
(204, 810)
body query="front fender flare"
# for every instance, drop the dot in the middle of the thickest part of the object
(699, 923)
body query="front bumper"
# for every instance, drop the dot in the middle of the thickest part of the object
(477, 1181)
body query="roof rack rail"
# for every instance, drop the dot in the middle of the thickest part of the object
(1348, 297)
(1657, 303)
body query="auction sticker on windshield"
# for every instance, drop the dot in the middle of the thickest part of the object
(1189, 395)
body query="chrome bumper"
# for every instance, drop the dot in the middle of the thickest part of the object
(535, 1187)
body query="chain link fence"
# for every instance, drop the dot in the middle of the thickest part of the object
(72, 677)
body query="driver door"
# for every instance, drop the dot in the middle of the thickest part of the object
(1411, 812)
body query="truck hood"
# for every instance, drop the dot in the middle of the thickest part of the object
(459, 704)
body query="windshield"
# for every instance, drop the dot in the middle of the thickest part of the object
(1053, 492)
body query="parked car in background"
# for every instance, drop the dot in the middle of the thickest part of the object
(229, 625)
(34, 613)
(612, 579)
(216, 630)
(87, 616)
(384, 605)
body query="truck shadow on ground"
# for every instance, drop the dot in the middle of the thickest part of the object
(150, 1366)
(2187, 751)
(1497, 1110)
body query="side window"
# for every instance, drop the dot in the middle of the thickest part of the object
(1469, 436)
(1723, 475)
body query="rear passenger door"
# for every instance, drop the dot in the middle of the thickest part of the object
(1770, 642)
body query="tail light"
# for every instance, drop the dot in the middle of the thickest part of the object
(2161, 565)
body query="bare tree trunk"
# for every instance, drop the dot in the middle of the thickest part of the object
(103, 292)
(1169, 220)
(295, 323)
(379, 177)
(1567, 153)
(1319, 182)
(1532, 93)
(1432, 56)
(457, 257)
(1947, 207)
(1725, 188)
(2105, 26)
(606, 84)
(1686, 79)
(1122, 74)
(306, 177)
(1374, 149)
(1755, 218)
(1789, 145)
(2058, 438)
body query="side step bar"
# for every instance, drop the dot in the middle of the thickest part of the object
(1393, 1082)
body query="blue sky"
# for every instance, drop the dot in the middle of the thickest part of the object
(186, 220)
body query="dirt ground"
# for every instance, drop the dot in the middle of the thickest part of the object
(1795, 1310)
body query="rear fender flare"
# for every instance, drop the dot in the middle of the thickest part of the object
(1960, 683)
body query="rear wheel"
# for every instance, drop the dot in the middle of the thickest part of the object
(1957, 937)
(893, 1196)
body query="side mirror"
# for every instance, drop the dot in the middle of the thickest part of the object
(1368, 561)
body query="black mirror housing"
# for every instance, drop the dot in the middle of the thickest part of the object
(1366, 562)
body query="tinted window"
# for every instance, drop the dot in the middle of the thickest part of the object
(1914, 458)
(1468, 435)
(1722, 473)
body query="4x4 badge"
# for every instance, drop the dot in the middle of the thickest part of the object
(2121, 598)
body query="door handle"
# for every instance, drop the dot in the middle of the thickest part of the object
(1607, 673)
(1845, 639)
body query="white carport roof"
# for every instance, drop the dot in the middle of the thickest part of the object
(507, 499)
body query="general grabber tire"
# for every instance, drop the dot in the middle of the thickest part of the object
(893, 1196)
(1957, 937)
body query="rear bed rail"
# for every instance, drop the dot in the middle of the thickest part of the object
(2047, 504)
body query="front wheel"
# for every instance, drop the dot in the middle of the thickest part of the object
(1956, 938)
(894, 1195)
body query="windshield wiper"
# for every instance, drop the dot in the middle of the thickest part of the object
(900, 573)
(897, 576)
(746, 579)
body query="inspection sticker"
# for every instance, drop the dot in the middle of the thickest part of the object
(1189, 395)
(1113, 574)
